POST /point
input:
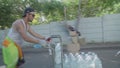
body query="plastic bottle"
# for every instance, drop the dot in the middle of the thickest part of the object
(72, 60)
(79, 61)
(89, 61)
(98, 63)
(50, 50)
(58, 53)
(66, 63)
(82, 55)
(77, 54)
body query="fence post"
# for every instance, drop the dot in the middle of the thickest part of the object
(102, 23)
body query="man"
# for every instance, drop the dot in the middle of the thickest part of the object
(12, 52)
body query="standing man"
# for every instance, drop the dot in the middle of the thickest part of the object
(12, 52)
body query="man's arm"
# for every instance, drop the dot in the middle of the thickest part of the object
(20, 28)
(33, 33)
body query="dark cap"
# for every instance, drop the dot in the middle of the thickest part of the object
(27, 10)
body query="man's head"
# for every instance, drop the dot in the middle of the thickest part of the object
(29, 13)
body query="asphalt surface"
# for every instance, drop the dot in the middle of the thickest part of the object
(39, 58)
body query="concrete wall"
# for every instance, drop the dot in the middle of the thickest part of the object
(94, 29)
(91, 29)
(111, 28)
(101, 29)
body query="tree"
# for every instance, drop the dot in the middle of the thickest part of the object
(5, 13)
(53, 10)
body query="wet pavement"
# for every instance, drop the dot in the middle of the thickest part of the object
(39, 58)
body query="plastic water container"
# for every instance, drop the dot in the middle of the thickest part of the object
(58, 53)
(66, 62)
(37, 46)
(72, 60)
(98, 63)
(80, 61)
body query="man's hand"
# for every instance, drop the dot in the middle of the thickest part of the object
(48, 39)
(43, 43)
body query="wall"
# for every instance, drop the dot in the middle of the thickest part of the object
(101, 29)
(94, 29)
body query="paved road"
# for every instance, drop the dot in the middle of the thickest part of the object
(109, 60)
(38, 59)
